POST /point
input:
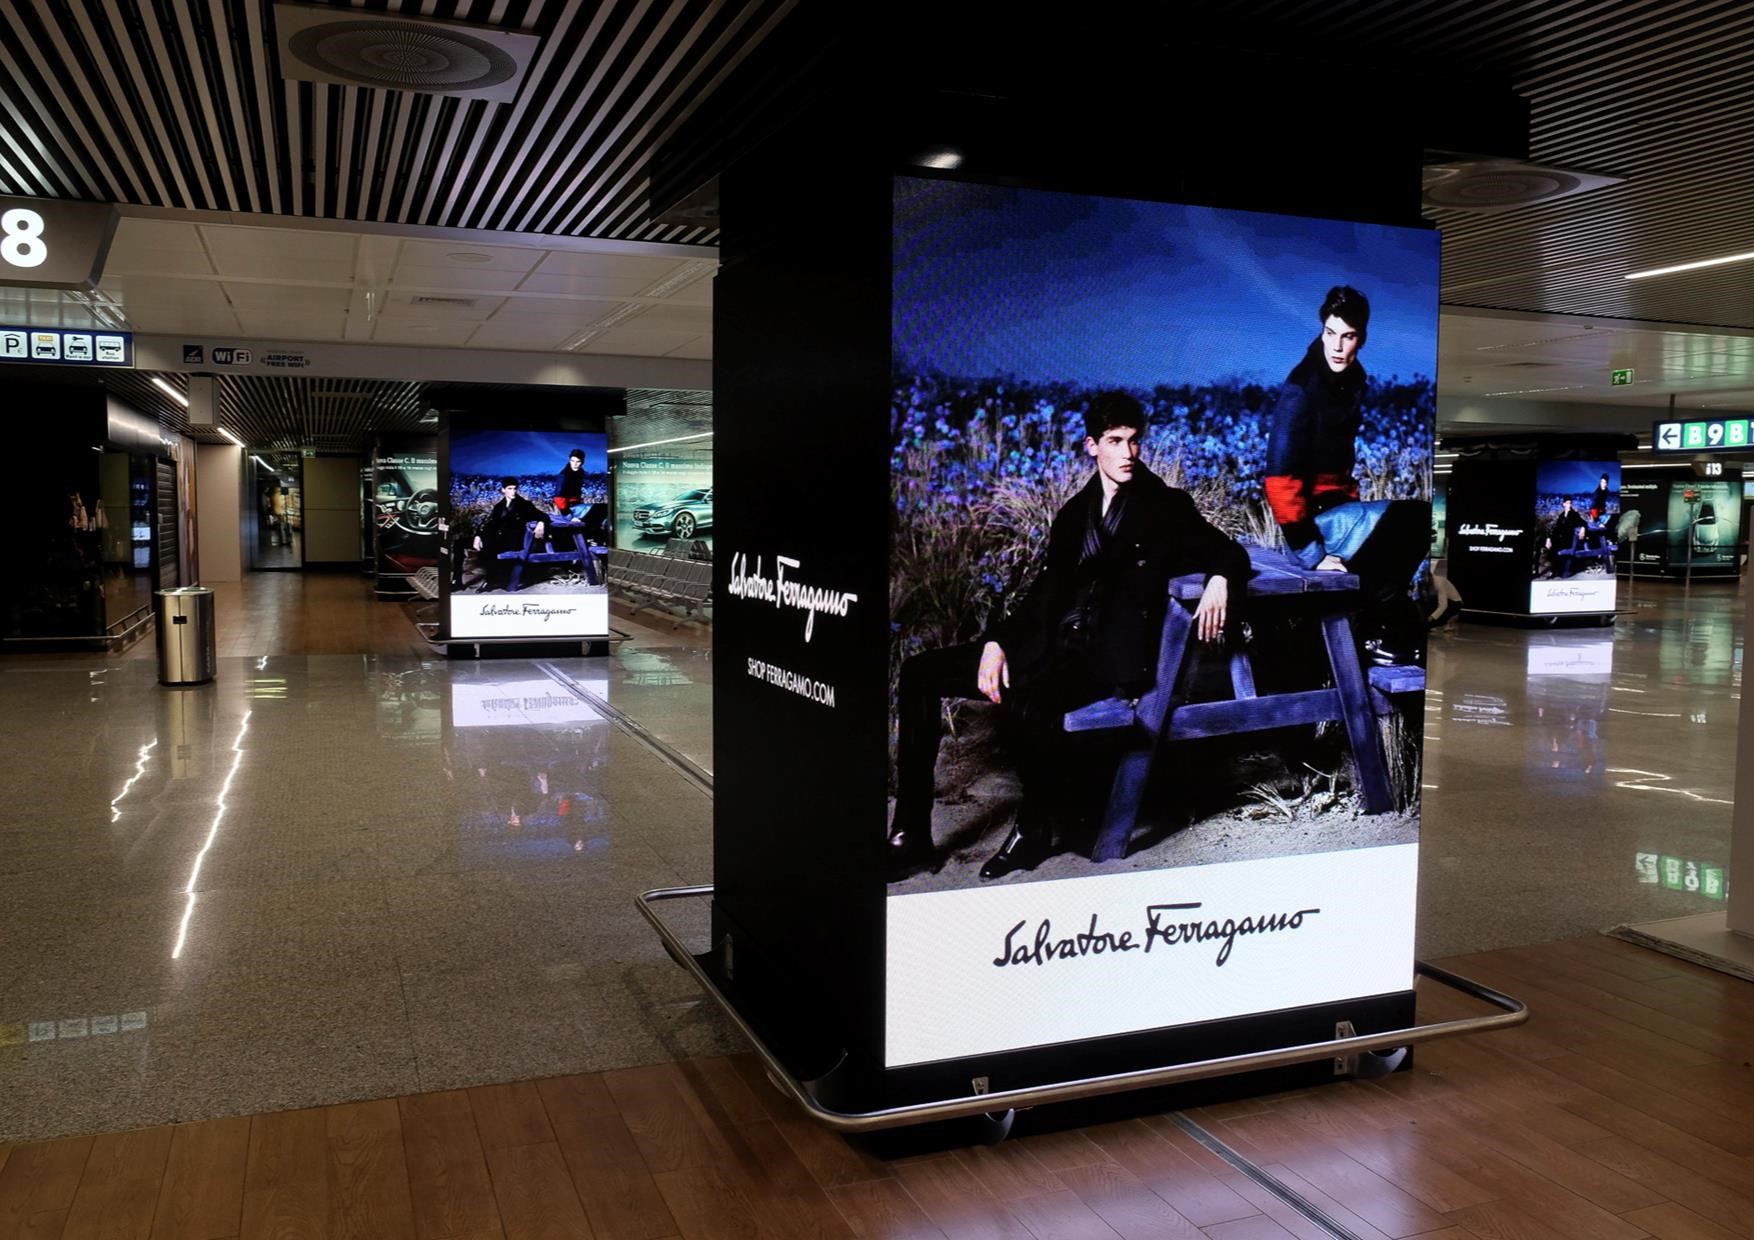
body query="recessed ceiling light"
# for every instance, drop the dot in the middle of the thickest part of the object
(469, 256)
(1704, 262)
(170, 391)
(945, 157)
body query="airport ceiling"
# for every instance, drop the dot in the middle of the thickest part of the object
(181, 104)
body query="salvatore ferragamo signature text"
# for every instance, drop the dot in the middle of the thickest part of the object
(1166, 925)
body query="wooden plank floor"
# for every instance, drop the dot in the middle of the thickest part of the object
(1619, 1111)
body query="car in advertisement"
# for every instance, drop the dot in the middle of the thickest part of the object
(680, 517)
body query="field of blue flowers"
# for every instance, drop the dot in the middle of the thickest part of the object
(979, 467)
(474, 495)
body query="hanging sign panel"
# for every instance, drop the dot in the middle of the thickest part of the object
(50, 243)
(65, 346)
(1700, 435)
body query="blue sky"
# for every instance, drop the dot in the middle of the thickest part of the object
(525, 452)
(1575, 478)
(1105, 291)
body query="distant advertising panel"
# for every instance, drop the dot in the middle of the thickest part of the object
(1577, 513)
(1705, 524)
(527, 512)
(1094, 397)
(405, 510)
(1643, 528)
(1493, 534)
(659, 496)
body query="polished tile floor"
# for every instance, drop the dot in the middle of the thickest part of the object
(332, 876)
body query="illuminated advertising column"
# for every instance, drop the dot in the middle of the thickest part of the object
(1094, 398)
(525, 521)
(1576, 520)
(1062, 435)
(1536, 524)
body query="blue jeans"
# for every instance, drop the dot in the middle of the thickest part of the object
(1344, 527)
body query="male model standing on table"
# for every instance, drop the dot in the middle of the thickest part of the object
(1314, 497)
(1089, 628)
(504, 531)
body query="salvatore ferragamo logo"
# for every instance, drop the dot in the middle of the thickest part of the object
(1166, 925)
(783, 591)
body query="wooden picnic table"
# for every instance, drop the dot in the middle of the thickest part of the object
(581, 552)
(1153, 721)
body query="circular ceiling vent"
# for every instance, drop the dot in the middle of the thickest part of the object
(1510, 187)
(403, 56)
(1503, 185)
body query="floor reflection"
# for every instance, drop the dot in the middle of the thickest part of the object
(1626, 753)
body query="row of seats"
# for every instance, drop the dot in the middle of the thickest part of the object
(680, 586)
(689, 548)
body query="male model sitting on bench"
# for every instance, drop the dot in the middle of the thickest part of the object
(1088, 629)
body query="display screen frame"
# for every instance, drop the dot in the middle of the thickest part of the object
(934, 1014)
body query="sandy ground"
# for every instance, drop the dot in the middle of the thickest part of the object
(1259, 808)
(538, 579)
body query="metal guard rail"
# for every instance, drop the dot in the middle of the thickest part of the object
(96, 637)
(1513, 1012)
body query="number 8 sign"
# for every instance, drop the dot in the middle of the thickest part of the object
(22, 244)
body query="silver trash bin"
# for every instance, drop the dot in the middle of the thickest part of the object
(186, 639)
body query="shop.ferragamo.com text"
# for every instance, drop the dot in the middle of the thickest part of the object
(804, 686)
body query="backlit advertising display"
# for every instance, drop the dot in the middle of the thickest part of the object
(1705, 524)
(1161, 480)
(1577, 518)
(405, 511)
(528, 518)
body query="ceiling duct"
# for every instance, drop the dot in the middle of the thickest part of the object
(389, 52)
(1483, 186)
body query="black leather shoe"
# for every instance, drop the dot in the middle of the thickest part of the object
(910, 851)
(1385, 652)
(1022, 850)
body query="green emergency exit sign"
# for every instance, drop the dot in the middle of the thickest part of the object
(1620, 378)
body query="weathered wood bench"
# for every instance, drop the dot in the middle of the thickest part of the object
(1152, 721)
(581, 552)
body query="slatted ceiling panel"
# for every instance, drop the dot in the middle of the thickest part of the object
(180, 103)
(1660, 92)
(663, 413)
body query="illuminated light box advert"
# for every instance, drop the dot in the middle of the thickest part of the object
(1157, 471)
(528, 516)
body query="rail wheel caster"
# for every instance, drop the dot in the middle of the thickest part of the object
(993, 1127)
